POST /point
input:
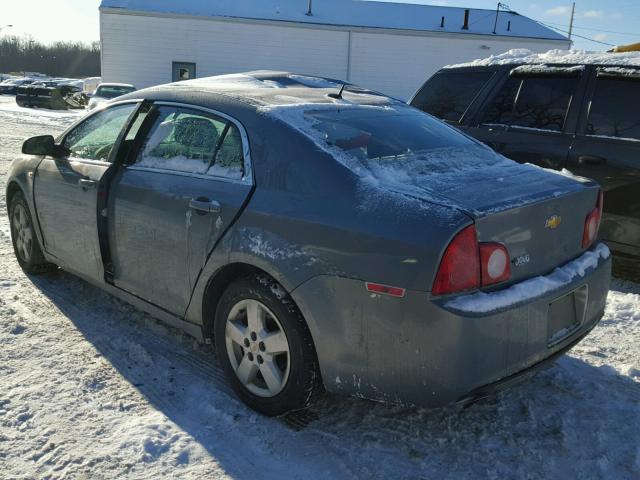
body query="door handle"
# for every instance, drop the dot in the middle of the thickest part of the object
(86, 184)
(205, 205)
(591, 160)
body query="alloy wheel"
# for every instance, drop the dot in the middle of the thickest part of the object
(257, 347)
(23, 233)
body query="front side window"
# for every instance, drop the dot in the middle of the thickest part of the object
(94, 138)
(448, 94)
(614, 109)
(191, 141)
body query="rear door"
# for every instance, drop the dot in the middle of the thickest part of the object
(532, 117)
(607, 149)
(185, 182)
(66, 190)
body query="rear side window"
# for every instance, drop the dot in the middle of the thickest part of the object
(614, 109)
(536, 102)
(448, 94)
(192, 141)
(543, 102)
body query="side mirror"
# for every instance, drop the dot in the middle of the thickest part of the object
(44, 145)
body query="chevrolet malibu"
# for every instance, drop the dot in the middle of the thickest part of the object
(322, 236)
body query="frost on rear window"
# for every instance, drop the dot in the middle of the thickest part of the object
(387, 144)
(396, 149)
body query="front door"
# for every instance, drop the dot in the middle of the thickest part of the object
(183, 71)
(66, 191)
(183, 187)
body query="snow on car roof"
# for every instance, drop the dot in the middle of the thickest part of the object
(272, 88)
(522, 56)
(352, 13)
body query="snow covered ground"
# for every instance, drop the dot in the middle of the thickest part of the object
(91, 388)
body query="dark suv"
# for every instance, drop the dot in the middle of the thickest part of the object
(582, 118)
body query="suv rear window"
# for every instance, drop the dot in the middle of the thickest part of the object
(447, 95)
(536, 102)
(113, 91)
(614, 109)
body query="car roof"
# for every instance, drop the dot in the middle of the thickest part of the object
(266, 88)
(556, 58)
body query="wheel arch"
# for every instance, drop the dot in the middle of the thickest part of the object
(218, 283)
(12, 188)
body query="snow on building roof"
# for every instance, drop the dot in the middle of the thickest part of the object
(350, 13)
(560, 57)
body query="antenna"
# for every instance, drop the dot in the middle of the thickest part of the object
(339, 94)
(503, 6)
(573, 14)
(310, 11)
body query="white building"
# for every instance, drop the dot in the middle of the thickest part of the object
(390, 47)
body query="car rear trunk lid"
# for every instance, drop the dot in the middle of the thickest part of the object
(538, 214)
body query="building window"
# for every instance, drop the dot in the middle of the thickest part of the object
(183, 71)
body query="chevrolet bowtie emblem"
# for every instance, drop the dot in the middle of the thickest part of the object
(553, 222)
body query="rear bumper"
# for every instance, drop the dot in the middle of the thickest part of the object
(505, 383)
(420, 350)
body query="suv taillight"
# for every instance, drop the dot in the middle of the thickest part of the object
(592, 223)
(468, 265)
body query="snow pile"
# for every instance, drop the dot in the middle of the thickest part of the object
(543, 68)
(533, 288)
(522, 55)
(619, 72)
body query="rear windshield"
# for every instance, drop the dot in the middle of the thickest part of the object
(395, 145)
(384, 135)
(113, 92)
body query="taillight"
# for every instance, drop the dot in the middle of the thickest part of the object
(496, 266)
(460, 266)
(467, 264)
(592, 223)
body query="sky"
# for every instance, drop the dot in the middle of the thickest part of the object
(612, 21)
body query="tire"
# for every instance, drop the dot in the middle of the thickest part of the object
(23, 236)
(280, 374)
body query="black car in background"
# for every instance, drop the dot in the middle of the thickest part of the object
(50, 94)
(10, 87)
(584, 118)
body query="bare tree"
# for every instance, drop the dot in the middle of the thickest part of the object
(60, 59)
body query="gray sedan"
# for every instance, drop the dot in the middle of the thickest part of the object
(323, 236)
